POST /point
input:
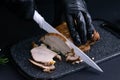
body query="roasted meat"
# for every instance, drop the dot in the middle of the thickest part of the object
(59, 44)
(45, 68)
(43, 57)
(86, 47)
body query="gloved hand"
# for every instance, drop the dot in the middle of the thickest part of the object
(23, 8)
(78, 20)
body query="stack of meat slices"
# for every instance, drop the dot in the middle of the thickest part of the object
(43, 56)
(58, 44)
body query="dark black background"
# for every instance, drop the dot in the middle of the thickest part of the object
(14, 29)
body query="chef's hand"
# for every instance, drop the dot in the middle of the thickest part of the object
(78, 20)
(23, 8)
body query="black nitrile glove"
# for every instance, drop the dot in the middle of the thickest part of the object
(23, 8)
(78, 21)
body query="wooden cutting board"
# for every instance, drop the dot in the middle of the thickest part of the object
(107, 47)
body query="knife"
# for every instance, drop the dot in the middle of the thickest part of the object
(47, 27)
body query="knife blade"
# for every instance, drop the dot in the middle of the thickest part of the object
(47, 27)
